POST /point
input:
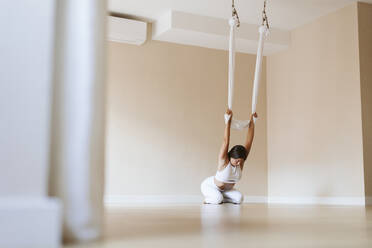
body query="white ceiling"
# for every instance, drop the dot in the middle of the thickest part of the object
(283, 14)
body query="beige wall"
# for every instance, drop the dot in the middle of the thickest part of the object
(165, 119)
(314, 111)
(365, 59)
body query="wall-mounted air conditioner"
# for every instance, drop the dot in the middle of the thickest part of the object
(126, 31)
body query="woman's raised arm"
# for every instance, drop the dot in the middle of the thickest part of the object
(226, 139)
(250, 134)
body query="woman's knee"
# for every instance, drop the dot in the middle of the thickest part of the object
(214, 199)
(239, 198)
(234, 197)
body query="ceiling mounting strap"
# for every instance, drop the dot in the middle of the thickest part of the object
(265, 20)
(235, 13)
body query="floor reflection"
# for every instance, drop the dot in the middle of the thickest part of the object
(246, 225)
(215, 218)
(217, 221)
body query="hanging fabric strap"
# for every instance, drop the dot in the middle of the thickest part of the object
(263, 32)
(257, 75)
(233, 23)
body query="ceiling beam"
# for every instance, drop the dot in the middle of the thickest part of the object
(210, 32)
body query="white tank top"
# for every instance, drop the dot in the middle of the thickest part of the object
(230, 174)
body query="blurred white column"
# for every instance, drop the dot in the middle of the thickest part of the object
(78, 117)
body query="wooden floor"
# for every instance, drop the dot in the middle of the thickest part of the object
(247, 225)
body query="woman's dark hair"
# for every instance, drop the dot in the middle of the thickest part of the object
(238, 151)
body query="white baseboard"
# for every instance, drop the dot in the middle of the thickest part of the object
(350, 201)
(30, 222)
(151, 200)
(165, 200)
(255, 199)
(174, 200)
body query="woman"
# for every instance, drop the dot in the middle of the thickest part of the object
(220, 188)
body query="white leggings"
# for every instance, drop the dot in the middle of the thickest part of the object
(215, 195)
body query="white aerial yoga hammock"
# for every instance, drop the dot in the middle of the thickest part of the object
(263, 31)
